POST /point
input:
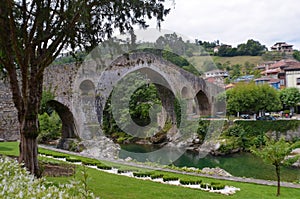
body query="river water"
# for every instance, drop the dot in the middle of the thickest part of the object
(239, 164)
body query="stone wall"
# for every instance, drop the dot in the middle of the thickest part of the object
(9, 126)
(58, 79)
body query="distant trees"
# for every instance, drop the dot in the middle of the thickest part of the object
(173, 42)
(252, 98)
(296, 55)
(207, 46)
(252, 48)
(289, 97)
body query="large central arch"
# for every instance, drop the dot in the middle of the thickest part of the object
(93, 86)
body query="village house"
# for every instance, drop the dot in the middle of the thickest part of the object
(216, 77)
(277, 70)
(292, 75)
(282, 47)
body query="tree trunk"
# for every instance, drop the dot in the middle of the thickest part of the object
(29, 154)
(30, 128)
(278, 179)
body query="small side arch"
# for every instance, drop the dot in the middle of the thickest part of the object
(69, 129)
(202, 103)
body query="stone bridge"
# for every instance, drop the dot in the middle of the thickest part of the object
(82, 91)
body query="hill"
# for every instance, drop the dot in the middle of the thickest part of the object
(239, 60)
(205, 63)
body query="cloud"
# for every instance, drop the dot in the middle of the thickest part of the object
(235, 22)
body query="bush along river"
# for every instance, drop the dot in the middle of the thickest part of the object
(239, 164)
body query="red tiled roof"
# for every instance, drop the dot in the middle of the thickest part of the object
(282, 63)
(276, 70)
(293, 66)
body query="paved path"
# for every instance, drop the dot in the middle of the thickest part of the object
(232, 178)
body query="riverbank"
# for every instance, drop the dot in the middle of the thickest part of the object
(151, 167)
(113, 186)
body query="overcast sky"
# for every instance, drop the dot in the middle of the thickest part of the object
(235, 21)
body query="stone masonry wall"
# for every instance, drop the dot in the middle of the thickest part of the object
(9, 127)
(57, 78)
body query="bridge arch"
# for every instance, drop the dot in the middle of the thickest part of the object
(69, 128)
(87, 87)
(203, 104)
(151, 75)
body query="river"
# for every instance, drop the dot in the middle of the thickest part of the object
(239, 164)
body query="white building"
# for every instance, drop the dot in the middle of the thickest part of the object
(292, 76)
(216, 73)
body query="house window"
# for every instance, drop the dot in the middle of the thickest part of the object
(282, 82)
(298, 81)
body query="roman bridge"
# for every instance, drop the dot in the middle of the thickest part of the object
(77, 88)
(81, 91)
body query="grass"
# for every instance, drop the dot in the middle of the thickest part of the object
(239, 60)
(108, 185)
(121, 187)
(199, 61)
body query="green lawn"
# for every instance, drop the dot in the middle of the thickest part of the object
(113, 186)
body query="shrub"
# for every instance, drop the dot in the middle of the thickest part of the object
(50, 127)
(90, 162)
(190, 182)
(203, 185)
(72, 159)
(166, 179)
(123, 171)
(217, 186)
(60, 156)
(141, 175)
(16, 182)
(104, 167)
(156, 176)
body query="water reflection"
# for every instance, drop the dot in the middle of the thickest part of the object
(240, 164)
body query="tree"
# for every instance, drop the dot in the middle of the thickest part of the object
(275, 153)
(252, 48)
(33, 34)
(249, 97)
(173, 41)
(296, 55)
(290, 97)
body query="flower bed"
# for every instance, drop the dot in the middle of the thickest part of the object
(17, 183)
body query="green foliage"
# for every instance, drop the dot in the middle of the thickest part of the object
(104, 167)
(144, 98)
(190, 182)
(235, 131)
(296, 55)
(275, 153)
(252, 98)
(50, 127)
(289, 97)
(170, 178)
(255, 128)
(47, 95)
(141, 102)
(203, 129)
(141, 175)
(252, 48)
(174, 58)
(245, 134)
